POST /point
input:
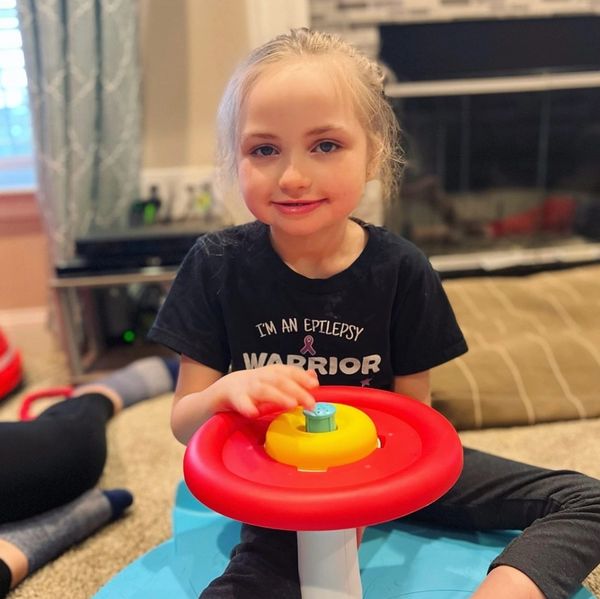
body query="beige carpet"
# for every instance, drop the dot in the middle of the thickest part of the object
(144, 458)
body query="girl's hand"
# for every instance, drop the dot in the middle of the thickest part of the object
(201, 391)
(267, 389)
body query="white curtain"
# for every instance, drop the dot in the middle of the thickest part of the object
(81, 58)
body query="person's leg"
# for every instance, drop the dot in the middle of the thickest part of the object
(264, 564)
(53, 459)
(13, 567)
(28, 544)
(56, 457)
(140, 380)
(559, 512)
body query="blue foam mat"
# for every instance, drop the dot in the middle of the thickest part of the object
(397, 559)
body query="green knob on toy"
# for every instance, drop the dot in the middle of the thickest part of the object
(321, 419)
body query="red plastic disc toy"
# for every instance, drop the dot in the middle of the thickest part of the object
(419, 458)
(11, 368)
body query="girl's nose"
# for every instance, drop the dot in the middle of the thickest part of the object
(293, 180)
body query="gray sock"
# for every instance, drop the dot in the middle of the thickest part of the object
(140, 380)
(45, 536)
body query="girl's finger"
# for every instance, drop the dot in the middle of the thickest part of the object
(275, 394)
(296, 391)
(244, 405)
(306, 378)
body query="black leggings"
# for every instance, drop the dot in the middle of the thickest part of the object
(559, 512)
(53, 459)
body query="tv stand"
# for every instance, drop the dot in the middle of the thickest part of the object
(81, 334)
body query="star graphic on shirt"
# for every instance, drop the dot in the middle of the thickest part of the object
(366, 382)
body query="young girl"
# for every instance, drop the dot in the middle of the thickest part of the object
(263, 313)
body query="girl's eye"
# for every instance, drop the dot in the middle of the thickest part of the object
(326, 147)
(264, 151)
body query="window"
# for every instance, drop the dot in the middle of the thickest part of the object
(16, 141)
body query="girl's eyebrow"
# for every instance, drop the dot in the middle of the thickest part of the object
(325, 129)
(259, 135)
(315, 131)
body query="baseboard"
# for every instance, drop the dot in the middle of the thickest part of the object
(24, 316)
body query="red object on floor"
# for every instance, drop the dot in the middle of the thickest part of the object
(555, 214)
(11, 370)
(522, 223)
(558, 213)
(48, 393)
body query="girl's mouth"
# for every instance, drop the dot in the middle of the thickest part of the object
(298, 207)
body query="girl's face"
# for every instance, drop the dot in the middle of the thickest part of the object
(302, 153)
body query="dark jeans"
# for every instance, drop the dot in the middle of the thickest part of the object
(558, 510)
(53, 459)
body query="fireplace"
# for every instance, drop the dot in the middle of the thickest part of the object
(501, 127)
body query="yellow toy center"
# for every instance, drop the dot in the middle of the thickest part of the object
(288, 442)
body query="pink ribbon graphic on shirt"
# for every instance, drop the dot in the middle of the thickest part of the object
(308, 346)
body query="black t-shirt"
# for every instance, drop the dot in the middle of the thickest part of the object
(235, 304)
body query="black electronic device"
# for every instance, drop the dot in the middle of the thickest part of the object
(139, 247)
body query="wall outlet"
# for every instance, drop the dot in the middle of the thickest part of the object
(185, 192)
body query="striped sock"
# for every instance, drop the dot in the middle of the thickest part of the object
(142, 379)
(45, 536)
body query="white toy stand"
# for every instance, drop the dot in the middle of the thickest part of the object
(328, 565)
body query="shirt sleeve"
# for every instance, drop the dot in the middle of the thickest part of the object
(425, 332)
(190, 321)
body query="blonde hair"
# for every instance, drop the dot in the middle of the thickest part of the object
(364, 81)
